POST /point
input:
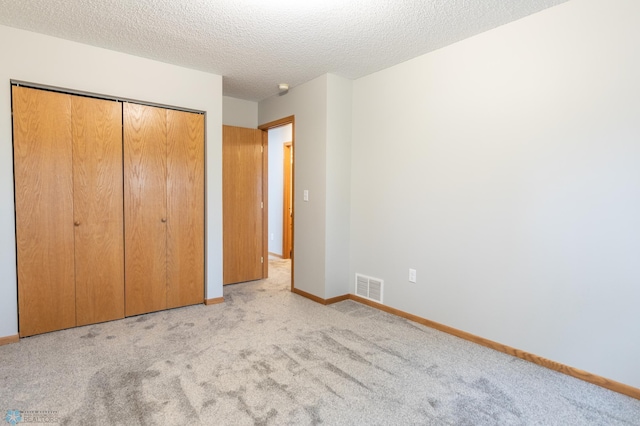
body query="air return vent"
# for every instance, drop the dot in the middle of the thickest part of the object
(369, 287)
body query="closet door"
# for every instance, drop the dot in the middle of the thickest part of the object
(97, 195)
(185, 207)
(145, 153)
(44, 210)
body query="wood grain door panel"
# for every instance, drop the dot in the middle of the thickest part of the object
(242, 195)
(185, 206)
(44, 210)
(145, 213)
(105, 227)
(98, 199)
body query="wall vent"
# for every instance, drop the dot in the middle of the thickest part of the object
(369, 287)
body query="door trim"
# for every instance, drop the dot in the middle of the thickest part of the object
(74, 92)
(265, 203)
(270, 125)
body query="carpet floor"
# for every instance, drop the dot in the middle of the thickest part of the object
(267, 356)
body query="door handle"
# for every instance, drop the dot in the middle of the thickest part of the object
(163, 220)
(76, 223)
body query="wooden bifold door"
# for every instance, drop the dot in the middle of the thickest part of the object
(164, 208)
(79, 209)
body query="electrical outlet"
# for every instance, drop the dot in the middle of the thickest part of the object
(412, 275)
(272, 236)
(305, 195)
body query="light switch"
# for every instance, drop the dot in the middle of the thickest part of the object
(305, 195)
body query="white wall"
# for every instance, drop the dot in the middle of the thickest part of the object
(46, 60)
(339, 98)
(322, 109)
(308, 102)
(505, 169)
(277, 138)
(239, 113)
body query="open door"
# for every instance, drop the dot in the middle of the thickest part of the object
(244, 204)
(287, 212)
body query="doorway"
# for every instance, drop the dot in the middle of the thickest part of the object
(279, 191)
(281, 140)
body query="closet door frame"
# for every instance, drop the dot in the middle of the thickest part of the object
(201, 292)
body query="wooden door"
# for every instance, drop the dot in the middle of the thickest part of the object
(44, 210)
(287, 194)
(243, 204)
(185, 207)
(145, 208)
(97, 208)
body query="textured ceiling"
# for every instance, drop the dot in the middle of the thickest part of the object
(256, 44)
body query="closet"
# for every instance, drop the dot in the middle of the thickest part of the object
(109, 209)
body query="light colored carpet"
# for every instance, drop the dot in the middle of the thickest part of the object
(267, 356)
